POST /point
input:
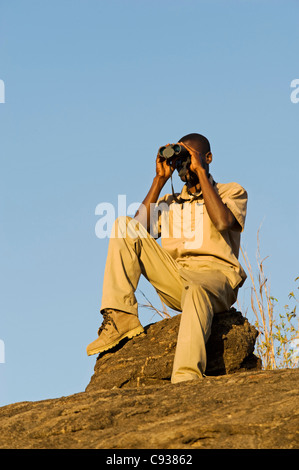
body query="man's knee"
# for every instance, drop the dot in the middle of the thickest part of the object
(125, 226)
(119, 228)
(195, 301)
(194, 292)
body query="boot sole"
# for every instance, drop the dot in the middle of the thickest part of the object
(130, 334)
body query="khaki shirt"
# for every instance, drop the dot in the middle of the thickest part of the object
(190, 237)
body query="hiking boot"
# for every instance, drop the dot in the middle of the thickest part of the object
(116, 326)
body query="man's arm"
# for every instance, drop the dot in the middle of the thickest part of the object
(221, 216)
(219, 213)
(163, 173)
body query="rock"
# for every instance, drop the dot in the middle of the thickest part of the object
(125, 406)
(231, 344)
(147, 359)
(246, 410)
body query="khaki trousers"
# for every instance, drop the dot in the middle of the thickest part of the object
(198, 290)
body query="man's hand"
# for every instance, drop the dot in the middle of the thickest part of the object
(163, 170)
(198, 160)
(163, 173)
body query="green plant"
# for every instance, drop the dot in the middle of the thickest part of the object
(277, 332)
(285, 334)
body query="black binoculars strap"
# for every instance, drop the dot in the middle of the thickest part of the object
(182, 200)
(179, 201)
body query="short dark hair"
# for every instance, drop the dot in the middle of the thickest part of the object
(197, 141)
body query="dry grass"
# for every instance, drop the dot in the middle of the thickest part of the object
(164, 313)
(275, 344)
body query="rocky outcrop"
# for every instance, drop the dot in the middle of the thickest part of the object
(130, 402)
(147, 359)
(246, 410)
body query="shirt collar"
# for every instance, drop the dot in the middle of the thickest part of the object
(185, 195)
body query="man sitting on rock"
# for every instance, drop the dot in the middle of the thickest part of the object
(195, 271)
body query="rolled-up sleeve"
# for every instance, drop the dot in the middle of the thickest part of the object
(236, 200)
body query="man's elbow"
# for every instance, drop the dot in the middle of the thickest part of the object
(229, 223)
(222, 227)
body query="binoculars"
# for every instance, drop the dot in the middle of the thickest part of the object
(181, 156)
(173, 151)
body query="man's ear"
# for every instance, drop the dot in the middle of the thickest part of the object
(209, 157)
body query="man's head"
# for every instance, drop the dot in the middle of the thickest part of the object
(202, 145)
(197, 141)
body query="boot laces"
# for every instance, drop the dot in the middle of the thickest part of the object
(107, 321)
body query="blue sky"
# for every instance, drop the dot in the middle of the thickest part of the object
(92, 89)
